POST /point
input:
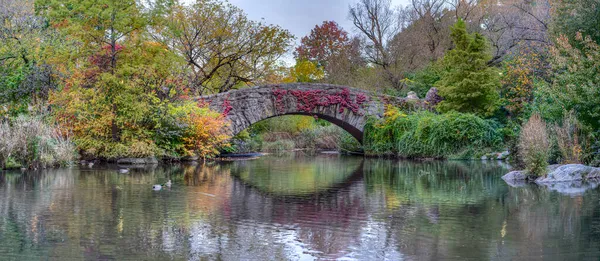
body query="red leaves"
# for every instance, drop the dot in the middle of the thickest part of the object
(323, 42)
(227, 106)
(109, 47)
(278, 93)
(308, 100)
(103, 59)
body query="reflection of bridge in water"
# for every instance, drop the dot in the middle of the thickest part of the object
(327, 220)
(317, 188)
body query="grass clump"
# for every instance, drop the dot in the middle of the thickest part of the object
(534, 145)
(29, 142)
(424, 134)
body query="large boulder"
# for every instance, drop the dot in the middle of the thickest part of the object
(521, 175)
(570, 173)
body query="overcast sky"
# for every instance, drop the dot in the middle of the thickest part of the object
(300, 16)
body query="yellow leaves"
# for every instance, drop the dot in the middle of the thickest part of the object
(392, 113)
(306, 71)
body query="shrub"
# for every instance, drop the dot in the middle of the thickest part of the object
(534, 145)
(32, 143)
(205, 134)
(425, 134)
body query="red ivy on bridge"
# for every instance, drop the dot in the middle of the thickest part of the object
(226, 106)
(308, 100)
(279, 94)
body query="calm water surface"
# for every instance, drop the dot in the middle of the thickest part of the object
(294, 207)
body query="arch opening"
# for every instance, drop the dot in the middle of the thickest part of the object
(349, 128)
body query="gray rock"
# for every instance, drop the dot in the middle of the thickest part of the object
(553, 167)
(484, 157)
(432, 97)
(412, 96)
(516, 175)
(594, 174)
(190, 158)
(569, 173)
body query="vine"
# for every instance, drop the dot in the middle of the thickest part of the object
(279, 94)
(308, 100)
(226, 106)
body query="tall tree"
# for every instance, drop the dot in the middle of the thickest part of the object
(514, 27)
(468, 84)
(329, 47)
(223, 48)
(102, 27)
(378, 22)
(324, 42)
(27, 44)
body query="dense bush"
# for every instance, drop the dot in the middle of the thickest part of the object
(31, 143)
(425, 134)
(534, 145)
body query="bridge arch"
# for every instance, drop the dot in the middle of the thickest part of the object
(343, 106)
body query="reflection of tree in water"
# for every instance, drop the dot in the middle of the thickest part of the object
(419, 198)
(462, 209)
(82, 214)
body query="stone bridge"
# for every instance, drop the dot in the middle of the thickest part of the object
(343, 106)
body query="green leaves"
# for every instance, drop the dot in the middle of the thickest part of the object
(425, 134)
(468, 84)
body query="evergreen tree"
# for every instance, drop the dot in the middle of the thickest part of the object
(468, 84)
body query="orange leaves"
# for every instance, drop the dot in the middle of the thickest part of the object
(206, 132)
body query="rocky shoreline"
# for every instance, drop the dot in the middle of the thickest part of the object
(566, 179)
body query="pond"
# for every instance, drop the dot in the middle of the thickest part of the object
(293, 207)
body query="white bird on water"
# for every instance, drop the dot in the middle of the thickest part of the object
(160, 186)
